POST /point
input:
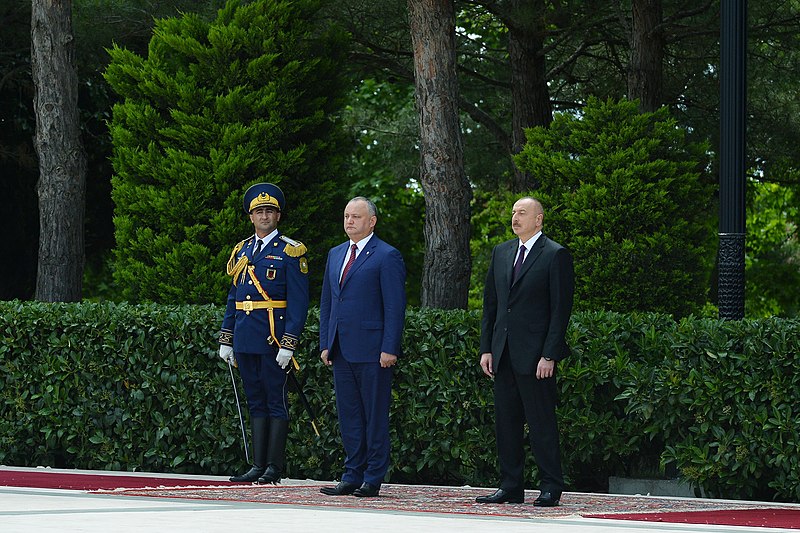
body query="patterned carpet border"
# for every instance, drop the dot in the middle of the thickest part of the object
(451, 500)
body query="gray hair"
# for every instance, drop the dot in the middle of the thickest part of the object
(536, 202)
(373, 210)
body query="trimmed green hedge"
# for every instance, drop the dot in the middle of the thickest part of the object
(140, 387)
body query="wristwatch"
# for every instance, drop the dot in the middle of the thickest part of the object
(547, 358)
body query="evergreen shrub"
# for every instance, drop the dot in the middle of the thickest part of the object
(213, 108)
(629, 194)
(141, 388)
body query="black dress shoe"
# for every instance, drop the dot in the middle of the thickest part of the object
(366, 491)
(251, 475)
(343, 488)
(503, 496)
(547, 499)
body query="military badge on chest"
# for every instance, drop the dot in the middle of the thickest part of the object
(271, 273)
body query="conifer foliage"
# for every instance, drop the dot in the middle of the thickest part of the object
(215, 107)
(630, 195)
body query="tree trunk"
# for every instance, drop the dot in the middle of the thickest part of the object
(62, 160)
(530, 95)
(446, 271)
(645, 71)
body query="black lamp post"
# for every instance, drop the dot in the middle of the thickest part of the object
(733, 105)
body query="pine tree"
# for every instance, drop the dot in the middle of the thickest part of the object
(215, 107)
(625, 192)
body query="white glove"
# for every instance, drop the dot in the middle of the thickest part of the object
(226, 352)
(283, 357)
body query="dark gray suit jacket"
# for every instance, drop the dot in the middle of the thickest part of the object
(530, 316)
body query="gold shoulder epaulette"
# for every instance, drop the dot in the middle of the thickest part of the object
(293, 248)
(234, 267)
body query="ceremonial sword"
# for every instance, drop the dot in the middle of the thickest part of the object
(294, 367)
(239, 410)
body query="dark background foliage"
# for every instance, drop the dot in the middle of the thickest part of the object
(213, 108)
(627, 193)
(587, 49)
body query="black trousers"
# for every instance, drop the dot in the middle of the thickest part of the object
(519, 399)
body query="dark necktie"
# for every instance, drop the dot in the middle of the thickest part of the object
(518, 264)
(259, 244)
(353, 250)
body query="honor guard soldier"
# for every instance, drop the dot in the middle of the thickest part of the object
(265, 314)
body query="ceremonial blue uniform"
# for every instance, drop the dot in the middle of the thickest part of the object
(264, 316)
(274, 282)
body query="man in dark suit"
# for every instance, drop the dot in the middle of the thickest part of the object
(265, 313)
(362, 313)
(527, 302)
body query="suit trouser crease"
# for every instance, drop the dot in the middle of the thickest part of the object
(363, 396)
(520, 399)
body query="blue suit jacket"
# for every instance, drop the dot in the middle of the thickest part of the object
(368, 312)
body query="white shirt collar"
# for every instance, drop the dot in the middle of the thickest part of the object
(530, 242)
(265, 239)
(362, 243)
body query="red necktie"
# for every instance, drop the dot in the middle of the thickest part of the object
(518, 264)
(353, 250)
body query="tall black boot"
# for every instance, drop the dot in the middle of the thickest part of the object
(260, 428)
(276, 453)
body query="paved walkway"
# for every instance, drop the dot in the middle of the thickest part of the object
(45, 510)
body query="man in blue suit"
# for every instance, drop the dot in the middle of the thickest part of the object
(362, 313)
(265, 314)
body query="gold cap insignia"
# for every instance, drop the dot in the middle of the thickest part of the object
(263, 200)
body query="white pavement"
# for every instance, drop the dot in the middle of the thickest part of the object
(45, 510)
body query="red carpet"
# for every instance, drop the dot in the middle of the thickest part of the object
(47, 479)
(461, 500)
(426, 499)
(781, 518)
